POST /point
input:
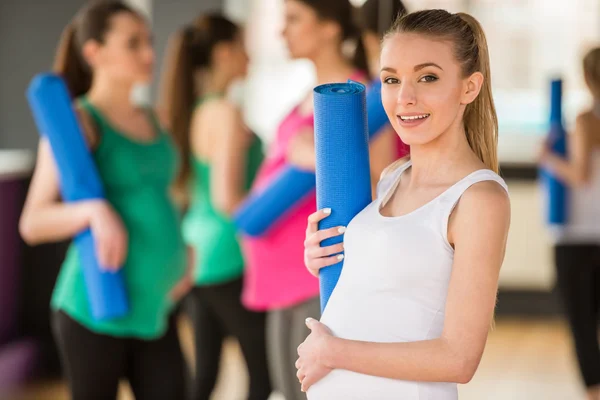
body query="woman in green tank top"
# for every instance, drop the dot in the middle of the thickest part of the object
(221, 160)
(136, 227)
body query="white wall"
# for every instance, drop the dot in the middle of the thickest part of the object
(529, 260)
(144, 6)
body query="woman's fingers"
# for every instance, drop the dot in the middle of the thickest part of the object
(317, 237)
(318, 252)
(315, 218)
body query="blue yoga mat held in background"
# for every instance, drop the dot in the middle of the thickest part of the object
(342, 163)
(556, 191)
(263, 209)
(55, 118)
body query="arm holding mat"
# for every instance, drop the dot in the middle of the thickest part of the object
(342, 168)
(265, 207)
(55, 118)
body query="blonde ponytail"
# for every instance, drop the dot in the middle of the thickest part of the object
(480, 119)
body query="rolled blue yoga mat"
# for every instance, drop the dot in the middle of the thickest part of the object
(556, 191)
(55, 118)
(264, 208)
(342, 163)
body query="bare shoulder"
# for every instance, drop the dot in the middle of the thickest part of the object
(585, 117)
(587, 127)
(486, 199)
(481, 216)
(221, 107)
(220, 110)
(586, 123)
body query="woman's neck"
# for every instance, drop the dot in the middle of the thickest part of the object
(441, 159)
(208, 82)
(331, 66)
(111, 95)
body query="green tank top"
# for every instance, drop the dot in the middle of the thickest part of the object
(137, 177)
(212, 234)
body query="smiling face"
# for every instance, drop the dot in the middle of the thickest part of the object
(424, 91)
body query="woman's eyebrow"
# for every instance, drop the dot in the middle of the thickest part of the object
(416, 68)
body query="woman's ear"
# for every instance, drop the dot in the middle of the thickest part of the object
(91, 53)
(472, 87)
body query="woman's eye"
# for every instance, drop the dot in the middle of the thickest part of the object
(390, 81)
(429, 78)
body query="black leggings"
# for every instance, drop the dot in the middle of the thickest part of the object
(578, 278)
(95, 363)
(216, 312)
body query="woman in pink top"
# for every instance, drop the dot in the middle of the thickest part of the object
(276, 279)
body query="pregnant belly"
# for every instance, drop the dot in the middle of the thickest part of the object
(346, 385)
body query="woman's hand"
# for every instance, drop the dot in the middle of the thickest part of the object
(311, 365)
(544, 151)
(186, 283)
(109, 234)
(315, 256)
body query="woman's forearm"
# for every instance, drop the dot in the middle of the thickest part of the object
(55, 222)
(564, 170)
(428, 360)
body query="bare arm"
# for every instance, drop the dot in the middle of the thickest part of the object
(455, 356)
(575, 170)
(228, 156)
(45, 218)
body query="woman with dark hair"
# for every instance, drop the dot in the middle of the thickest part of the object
(375, 17)
(221, 157)
(104, 52)
(276, 280)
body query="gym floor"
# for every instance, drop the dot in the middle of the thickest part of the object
(525, 359)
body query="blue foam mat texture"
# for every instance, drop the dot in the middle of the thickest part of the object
(556, 192)
(342, 163)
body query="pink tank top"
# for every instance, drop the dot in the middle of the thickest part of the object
(275, 275)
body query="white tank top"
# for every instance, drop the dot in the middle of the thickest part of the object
(583, 216)
(393, 288)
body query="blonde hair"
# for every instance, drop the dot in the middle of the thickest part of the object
(471, 51)
(591, 71)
